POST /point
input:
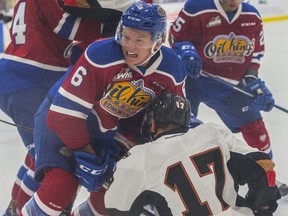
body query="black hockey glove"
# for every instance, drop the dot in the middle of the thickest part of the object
(257, 171)
(264, 210)
(263, 192)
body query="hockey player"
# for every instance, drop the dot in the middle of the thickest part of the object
(229, 38)
(41, 34)
(185, 171)
(75, 125)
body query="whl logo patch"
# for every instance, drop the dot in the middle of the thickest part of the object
(125, 74)
(214, 22)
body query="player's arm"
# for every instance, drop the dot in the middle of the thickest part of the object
(252, 167)
(67, 118)
(69, 26)
(226, 139)
(186, 27)
(129, 179)
(257, 171)
(73, 103)
(259, 45)
(263, 99)
(182, 36)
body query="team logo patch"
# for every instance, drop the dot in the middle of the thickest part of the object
(161, 11)
(125, 74)
(214, 22)
(229, 48)
(125, 99)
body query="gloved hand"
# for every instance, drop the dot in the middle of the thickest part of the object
(189, 56)
(266, 210)
(263, 99)
(93, 171)
(263, 192)
(263, 212)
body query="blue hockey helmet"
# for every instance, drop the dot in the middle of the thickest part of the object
(146, 17)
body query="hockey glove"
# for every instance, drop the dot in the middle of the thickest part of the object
(267, 210)
(93, 171)
(263, 99)
(263, 193)
(189, 56)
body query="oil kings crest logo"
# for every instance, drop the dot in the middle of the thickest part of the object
(229, 48)
(124, 99)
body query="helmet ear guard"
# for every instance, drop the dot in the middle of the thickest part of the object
(145, 17)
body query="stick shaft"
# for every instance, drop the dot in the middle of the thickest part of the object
(30, 130)
(216, 78)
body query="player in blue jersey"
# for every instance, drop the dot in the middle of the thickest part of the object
(114, 79)
(38, 55)
(228, 36)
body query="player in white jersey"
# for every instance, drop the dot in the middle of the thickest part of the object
(187, 171)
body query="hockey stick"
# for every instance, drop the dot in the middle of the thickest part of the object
(30, 130)
(218, 79)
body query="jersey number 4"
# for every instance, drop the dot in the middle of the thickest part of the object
(18, 25)
(178, 180)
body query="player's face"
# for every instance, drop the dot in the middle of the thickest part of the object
(230, 5)
(136, 45)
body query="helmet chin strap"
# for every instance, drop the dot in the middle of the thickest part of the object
(153, 52)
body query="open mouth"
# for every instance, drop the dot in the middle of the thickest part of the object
(131, 54)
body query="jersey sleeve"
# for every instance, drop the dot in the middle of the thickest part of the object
(186, 26)
(258, 52)
(226, 138)
(129, 174)
(68, 26)
(74, 101)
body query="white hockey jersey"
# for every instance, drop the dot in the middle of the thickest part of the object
(189, 171)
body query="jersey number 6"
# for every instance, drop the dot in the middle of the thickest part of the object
(77, 78)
